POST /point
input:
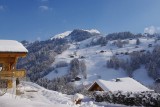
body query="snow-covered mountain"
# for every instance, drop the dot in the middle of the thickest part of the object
(51, 59)
(90, 46)
(93, 31)
(96, 57)
(61, 35)
(66, 33)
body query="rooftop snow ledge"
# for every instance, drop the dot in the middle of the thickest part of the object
(126, 84)
(11, 46)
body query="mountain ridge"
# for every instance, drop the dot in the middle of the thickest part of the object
(66, 33)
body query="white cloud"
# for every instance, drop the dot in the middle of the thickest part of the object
(45, 8)
(38, 38)
(152, 30)
(1, 7)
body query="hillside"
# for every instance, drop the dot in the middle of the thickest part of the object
(85, 53)
(71, 61)
(96, 59)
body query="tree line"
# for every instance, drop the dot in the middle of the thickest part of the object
(151, 61)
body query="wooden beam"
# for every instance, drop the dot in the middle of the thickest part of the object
(7, 59)
(13, 54)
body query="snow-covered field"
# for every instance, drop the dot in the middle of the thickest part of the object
(96, 60)
(37, 96)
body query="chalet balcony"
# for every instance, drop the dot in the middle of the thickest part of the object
(15, 73)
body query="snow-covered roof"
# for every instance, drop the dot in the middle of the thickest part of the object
(126, 84)
(11, 46)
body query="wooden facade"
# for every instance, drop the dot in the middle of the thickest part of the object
(95, 87)
(8, 61)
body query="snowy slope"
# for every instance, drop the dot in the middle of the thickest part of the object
(60, 72)
(141, 74)
(37, 96)
(96, 61)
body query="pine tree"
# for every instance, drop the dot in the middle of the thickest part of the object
(137, 41)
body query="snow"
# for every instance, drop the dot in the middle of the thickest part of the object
(43, 98)
(9, 100)
(11, 46)
(77, 96)
(126, 84)
(66, 33)
(36, 96)
(40, 98)
(60, 72)
(61, 35)
(96, 61)
(93, 31)
(141, 75)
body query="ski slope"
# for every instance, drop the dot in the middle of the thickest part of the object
(96, 60)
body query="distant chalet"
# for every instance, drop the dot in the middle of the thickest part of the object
(126, 84)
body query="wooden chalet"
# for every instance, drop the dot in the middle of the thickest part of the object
(95, 87)
(126, 84)
(10, 51)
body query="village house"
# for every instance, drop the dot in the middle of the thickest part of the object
(10, 51)
(126, 84)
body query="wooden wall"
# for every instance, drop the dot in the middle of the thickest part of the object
(8, 61)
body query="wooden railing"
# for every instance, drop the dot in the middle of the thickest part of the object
(6, 73)
(15, 73)
(20, 73)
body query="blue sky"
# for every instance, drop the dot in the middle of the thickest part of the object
(41, 19)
